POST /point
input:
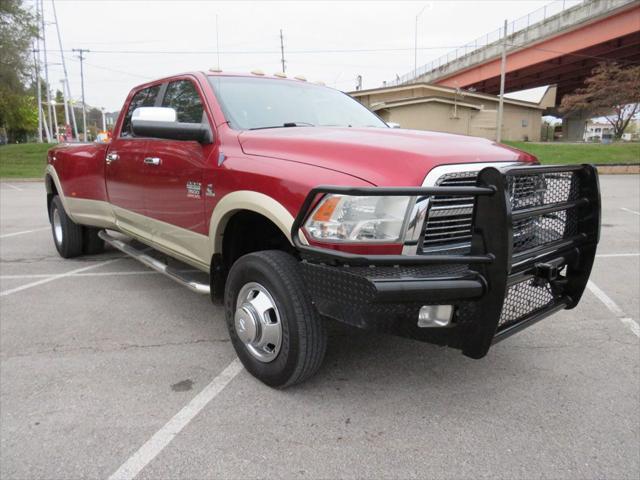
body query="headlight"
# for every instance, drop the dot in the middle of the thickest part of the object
(346, 218)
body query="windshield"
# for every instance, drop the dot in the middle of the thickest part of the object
(253, 103)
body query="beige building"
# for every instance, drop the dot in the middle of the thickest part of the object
(443, 109)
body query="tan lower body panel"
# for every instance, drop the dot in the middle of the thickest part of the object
(192, 248)
(92, 213)
(185, 245)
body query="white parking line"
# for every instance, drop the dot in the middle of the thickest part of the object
(7, 235)
(630, 211)
(12, 186)
(90, 274)
(56, 277)
(614, 308)
(147, 452)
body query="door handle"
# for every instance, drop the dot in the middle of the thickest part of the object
(112, 157)
(152, 161)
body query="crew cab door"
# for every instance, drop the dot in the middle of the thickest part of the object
(174, 177)
(125, 171)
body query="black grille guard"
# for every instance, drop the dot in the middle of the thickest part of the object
(492, 253)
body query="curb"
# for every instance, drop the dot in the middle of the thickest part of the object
(19, 179)
(618, 169)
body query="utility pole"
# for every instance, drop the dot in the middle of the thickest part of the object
(415, 45)
(46, 130)
(38, 94)
(46, 67)
(55, 120)
(64, 102)
(104, 120)
(66, 91)
(81, 52)
(282, 51)
(503, 68)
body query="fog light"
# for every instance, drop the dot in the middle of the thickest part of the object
(435, 316)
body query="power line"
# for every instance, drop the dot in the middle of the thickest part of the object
(266, 52)
(354, 50)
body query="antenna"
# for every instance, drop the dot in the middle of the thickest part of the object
(217, 42)
(282, 51)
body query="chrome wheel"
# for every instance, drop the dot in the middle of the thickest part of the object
(257, 322)
(57, 226)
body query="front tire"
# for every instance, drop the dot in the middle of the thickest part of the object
(67, 235)
(274, 327)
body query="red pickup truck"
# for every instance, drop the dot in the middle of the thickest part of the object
(300, 204)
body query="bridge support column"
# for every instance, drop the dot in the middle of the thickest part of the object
(573, 127)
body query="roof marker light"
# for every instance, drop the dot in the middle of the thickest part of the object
(302, 78)
(280, 75)
(320, 83)
(257, 72)
(215, 69)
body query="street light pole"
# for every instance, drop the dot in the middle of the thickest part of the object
(503, 68)
(415, 45)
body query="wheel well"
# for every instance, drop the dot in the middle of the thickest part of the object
(245, 232)
(52, 191)
(248, 232)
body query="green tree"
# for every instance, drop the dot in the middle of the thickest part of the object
(612, 92)
(18, 29)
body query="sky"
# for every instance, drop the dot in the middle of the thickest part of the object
(131, 41)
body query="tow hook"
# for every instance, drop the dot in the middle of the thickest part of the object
(549, 272)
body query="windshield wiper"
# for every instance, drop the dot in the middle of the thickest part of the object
(286, 125)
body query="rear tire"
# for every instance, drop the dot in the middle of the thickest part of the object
(92, 244)
(67, 235)
(274, 327)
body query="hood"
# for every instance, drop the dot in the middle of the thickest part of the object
(384, 157)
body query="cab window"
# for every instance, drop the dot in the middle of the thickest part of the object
(144, 98)
(182, 96)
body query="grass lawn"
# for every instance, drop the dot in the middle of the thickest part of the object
(23, 160)
(581, 153)
(27, 160)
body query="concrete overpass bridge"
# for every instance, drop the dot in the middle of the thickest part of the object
(559, 44)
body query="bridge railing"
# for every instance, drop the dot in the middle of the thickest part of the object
(518, 25)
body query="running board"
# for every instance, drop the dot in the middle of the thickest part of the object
(181, 277)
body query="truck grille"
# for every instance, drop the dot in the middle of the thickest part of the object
(448, 226)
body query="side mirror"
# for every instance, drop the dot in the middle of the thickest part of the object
(160, 122)
(393, 125)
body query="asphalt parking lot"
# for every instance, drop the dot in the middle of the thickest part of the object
(107, 367)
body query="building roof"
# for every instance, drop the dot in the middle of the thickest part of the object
(419, 100)
(442, 89)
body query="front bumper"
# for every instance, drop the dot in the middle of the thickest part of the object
(500, 287)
